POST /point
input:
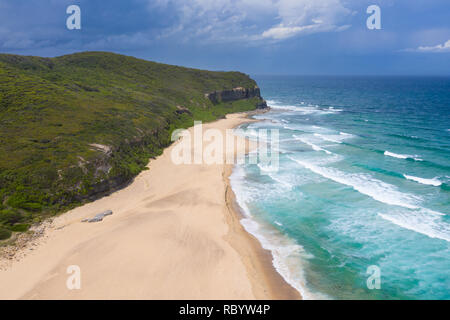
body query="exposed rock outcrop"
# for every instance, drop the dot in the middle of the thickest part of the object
(181, 110)
(98, 217)
(262, 104)
(234, 94)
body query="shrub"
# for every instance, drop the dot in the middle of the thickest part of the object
(23, 201)
(32, 206)
(20, 227)
(10, 216)
(4, 233)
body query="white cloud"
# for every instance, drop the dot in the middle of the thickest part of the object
(437, 48)
(252, 20)
(307, 16)
(10, 39)
(281, 32)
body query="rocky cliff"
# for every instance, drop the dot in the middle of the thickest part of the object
(238, 93)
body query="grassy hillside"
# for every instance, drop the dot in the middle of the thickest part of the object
(56, 114)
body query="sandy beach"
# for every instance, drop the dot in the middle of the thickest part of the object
(174, 234)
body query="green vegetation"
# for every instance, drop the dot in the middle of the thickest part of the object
(20, 227)
(75, 127)
(4, 233)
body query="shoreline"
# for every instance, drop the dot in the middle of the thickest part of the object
(201, 248)
(259, 261)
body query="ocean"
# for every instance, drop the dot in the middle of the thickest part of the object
(363, 181)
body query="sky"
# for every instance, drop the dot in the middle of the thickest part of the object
(303, 37)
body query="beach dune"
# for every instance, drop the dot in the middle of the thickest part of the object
(174, 234)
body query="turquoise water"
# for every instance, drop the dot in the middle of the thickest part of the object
(364, 179)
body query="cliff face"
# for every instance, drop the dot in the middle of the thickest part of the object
(235, 94)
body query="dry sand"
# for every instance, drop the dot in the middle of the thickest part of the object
(174, 234)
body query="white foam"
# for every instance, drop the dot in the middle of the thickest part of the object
(395, 155)
(327, 138)
(423, 221)
(285, 107)
(314, 110)
(432, 182)
(365, 184)
(306, 128)
(334, 109)
(272, 102)
(297, 127)
(236, 180)
(336, 138)
(303, 108)
(267, 168)
(401, 156)
(252, 134)
(312, 145)
(288, 257)
(418, 219)
(289, 128)
(271, 171)
(280, 181)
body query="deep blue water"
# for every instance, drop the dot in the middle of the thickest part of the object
(364, 179)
